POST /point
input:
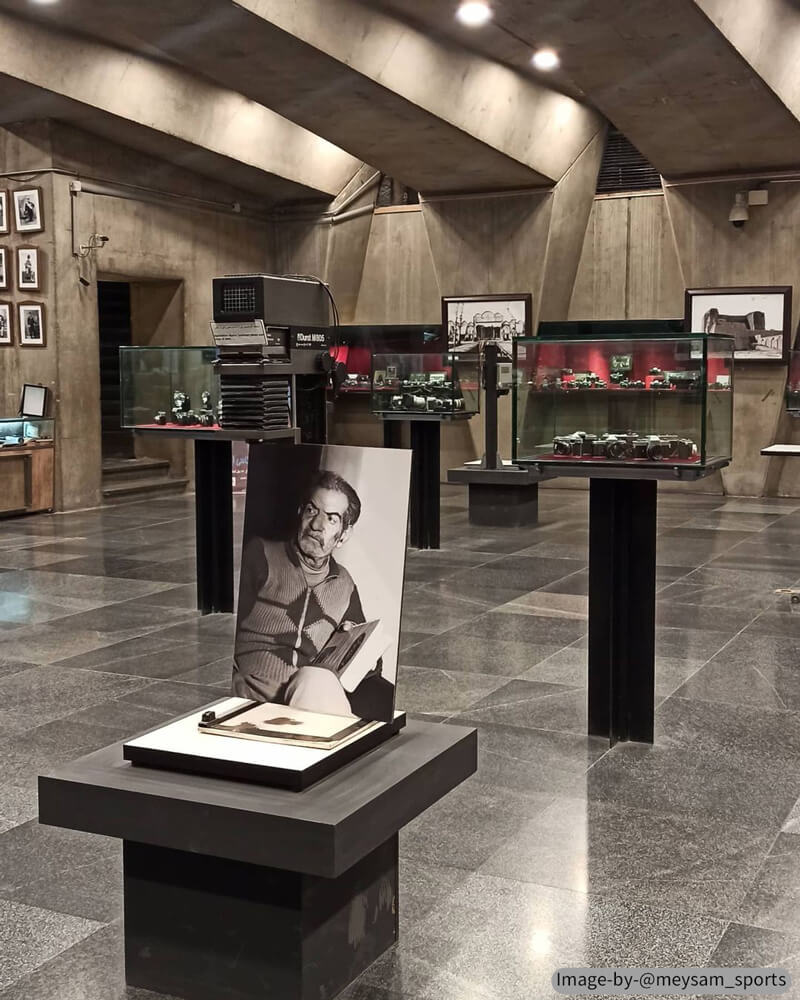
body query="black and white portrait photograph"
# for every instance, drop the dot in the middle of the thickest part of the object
(474, 320)
(4, 223)
(28, 269)
(4, 258)
(758, 318)
(28, 210)
(321, 583)
(6, 338)
(31, 324)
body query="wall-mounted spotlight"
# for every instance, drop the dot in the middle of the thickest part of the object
(545, 59)
(739, 213)
(474, 13)
(743, 202)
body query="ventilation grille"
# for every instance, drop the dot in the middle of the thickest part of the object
(239, 298)
(624, 168)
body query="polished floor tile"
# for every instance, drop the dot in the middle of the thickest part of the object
(559, 851)
(632, 854)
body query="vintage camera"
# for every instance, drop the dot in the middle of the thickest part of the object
(619, 446)
(655, 371)
(160, 417)
(578, 444)
(600, 448)
(618, 378)
(660, 383)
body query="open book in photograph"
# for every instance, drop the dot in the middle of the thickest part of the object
(282, 724)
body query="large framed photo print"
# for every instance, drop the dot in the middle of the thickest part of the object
(4, 222)
(31, 324)
(28, 266)
(6, 335)
(757, 317)
(474, 320)
(4, 259)
(28, 210)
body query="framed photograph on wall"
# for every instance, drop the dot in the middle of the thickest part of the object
(31, 324)
(5, 226)
(28, 269)
(5, 259)
(757, 317)
(6, 329)
(473, 320)
(28, 210)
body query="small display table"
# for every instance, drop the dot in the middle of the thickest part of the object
(213, 497)
(235, 890)
(622, 590)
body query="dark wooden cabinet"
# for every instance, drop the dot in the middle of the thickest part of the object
(27, 478)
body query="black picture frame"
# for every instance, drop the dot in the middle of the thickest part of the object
(749, 354)
(525, 297)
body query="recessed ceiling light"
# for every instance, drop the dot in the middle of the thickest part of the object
(474, 13)
(44, 3)
(545, 59)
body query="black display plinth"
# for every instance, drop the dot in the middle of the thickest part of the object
(238, 892)
(425, 491)
(622, 594)
(206, 928)
(213, 479)
(506, 496)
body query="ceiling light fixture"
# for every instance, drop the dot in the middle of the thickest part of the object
(546, 59)
(44, 3)
(474, 13)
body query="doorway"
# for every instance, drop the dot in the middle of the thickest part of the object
(114, 316)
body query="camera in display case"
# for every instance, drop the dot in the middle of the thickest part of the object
(668, 404)
(169, 387)
(793, 384)
(409, 386)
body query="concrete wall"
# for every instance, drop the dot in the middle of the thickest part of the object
(149, 243)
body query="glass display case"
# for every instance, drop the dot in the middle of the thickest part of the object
(413, 386)
(637, 402)
(169, 387)
(793, 384)
(356, 345)
(25, 430)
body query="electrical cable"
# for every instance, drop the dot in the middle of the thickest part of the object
(334, 308)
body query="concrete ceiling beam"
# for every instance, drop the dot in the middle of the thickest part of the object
(665, 72)
(431, 114)
(163, 110)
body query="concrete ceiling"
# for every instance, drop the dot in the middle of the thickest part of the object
(700, 86)
(431, 114)
(668, 73)
(164, 111)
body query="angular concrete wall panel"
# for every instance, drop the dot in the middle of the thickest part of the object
(398, 284)
(572, 205)
(764, 252)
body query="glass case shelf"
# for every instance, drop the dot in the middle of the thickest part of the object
(430, 386)
(793, 384)
(624, 402)
(25, 430)
(169, 388)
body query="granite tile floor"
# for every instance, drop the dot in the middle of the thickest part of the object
(558, 852)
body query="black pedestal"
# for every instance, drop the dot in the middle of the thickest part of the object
(495, 505)
(214, 525)
(425, 491)
(622, 591)
(205, 928)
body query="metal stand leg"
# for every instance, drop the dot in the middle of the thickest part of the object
(425, 493)
(214, 525)
(208, 928)
(622, 594)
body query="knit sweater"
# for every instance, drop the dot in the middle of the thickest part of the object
(283, 620)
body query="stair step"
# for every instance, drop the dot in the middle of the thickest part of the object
(157, 486)
(125, 470)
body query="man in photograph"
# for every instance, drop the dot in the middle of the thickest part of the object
(32, 331)
(27, 211)
(28, 276)
(293, 597)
